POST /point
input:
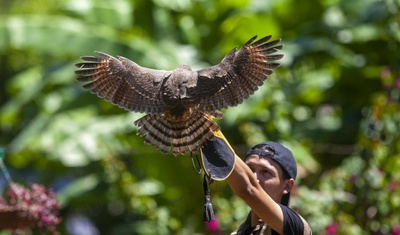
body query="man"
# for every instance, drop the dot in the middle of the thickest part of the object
(263, 180)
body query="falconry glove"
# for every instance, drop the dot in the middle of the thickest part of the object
(218, 161)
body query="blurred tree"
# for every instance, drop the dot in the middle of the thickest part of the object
(334, 102)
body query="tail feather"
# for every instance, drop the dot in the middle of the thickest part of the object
(178, 136)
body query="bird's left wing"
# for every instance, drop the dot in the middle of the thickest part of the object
(238, 75)
(123, 82)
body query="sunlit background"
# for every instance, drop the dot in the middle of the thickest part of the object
(334, 102)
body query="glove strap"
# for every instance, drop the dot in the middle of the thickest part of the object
(208, 212)
(199, 167)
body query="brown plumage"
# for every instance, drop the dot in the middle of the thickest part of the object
(181, 103)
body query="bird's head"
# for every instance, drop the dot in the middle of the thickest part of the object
(180, 84)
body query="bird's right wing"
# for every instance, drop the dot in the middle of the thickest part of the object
(123, 82)
(238, 75)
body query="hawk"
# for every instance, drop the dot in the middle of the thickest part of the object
(180, 104)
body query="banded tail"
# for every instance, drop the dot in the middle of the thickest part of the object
(179, 135)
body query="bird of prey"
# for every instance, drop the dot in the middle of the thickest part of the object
(180, 104)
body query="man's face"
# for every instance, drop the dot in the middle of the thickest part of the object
(269, 175)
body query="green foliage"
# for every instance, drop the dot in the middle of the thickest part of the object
(334, 101)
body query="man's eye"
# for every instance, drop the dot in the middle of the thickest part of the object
(266, 172)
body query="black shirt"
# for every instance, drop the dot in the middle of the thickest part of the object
(293, 224)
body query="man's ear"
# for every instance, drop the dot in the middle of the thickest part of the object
(288, 186)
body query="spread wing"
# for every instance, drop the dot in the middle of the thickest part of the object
(238, 75)
(123, 82)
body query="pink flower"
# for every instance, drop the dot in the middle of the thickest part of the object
(38, 202)
(332, 229)
(396, 229)
(213, 226)
(394, 185)
(398, 83)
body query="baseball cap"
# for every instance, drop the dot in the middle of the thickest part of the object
(281, 155)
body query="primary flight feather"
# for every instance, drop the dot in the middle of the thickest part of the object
(181, 103)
